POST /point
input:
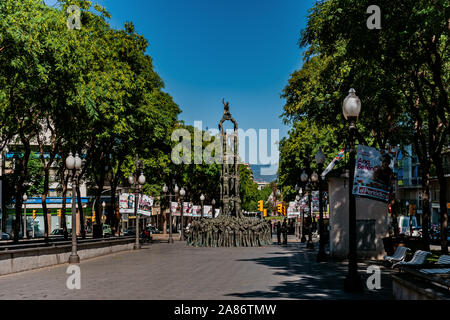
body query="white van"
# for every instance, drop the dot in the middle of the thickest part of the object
(403, 225)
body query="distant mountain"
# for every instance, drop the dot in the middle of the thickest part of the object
(264, 173)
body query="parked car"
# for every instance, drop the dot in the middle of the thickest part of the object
(5, 236)
(56, 232)
(131, 231)
(107, 232)
(154, 230)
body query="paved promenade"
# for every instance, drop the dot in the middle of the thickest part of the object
(175, 271)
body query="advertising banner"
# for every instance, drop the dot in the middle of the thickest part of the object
(196, 211)
(145, 205)
(207, 211)
(293, 210)
(175, 208)
(315, 201)
(188, 209)
(126, 203)
(373, 173)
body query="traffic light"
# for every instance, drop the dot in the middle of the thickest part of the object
(34, 214)
(265, 212)
(280, 208)
(93, 216)
(260, 205)
(284, 210)
(58, 212)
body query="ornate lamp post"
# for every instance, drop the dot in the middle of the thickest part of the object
(320, 160)
(302, 229)
(307, 180)
(213, 202)
(137, 183)
(182, 193)
(24, 232)
(165, 189)
(351, 108)
(297, 206)
(202, 198)
(73, 164)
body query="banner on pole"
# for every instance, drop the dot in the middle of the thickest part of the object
(373, 173)
(207, 211)
(293, 210)
(126, 203)
(145, 205)
(175, 208)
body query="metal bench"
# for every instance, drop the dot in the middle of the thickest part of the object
(399, 255)
(418, 259)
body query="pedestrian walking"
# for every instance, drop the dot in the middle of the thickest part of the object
(284, 229)
(279, 232)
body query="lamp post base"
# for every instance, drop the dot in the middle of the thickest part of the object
(170, 240)
(303, 239)
(310, 245)
(136, 246)
(353, 284)
(74, 258)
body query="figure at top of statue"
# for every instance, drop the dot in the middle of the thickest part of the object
(226, 106)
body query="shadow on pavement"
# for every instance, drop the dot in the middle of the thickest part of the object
(313, 280)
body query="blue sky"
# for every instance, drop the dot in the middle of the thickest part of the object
(206, 50)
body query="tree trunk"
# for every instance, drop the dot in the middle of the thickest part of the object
(20, 189)
(443, 218)
(44, 204)
(80, 210)
(64, 182)
(426, 205)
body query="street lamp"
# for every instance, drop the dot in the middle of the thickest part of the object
(25, 198)
(297, 206)
(320, 161)
(182, 193)
(351, 108)
(165, 189)
(137, 184)
(73, 164)
(307, 180)
(202, 198)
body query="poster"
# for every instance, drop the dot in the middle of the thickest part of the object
(188, 209)
(175, 208)
(293, 209)
(207, 211)
(145, 205)
(315, 201)
(126, 203)
(373, 173)
(196, 211)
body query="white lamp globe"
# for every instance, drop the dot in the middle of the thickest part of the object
(164, 189)
(304, 176)
(25, 197)
(141, 179)
(176, 189)
(320, 157)
(77, 162)
(182, 192)
(70, 162)
(202, 197)
(314, 177)
(352, 105)
(131, 179)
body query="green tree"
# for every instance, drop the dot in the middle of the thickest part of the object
(404, 66)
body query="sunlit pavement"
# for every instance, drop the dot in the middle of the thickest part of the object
(176, 271)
